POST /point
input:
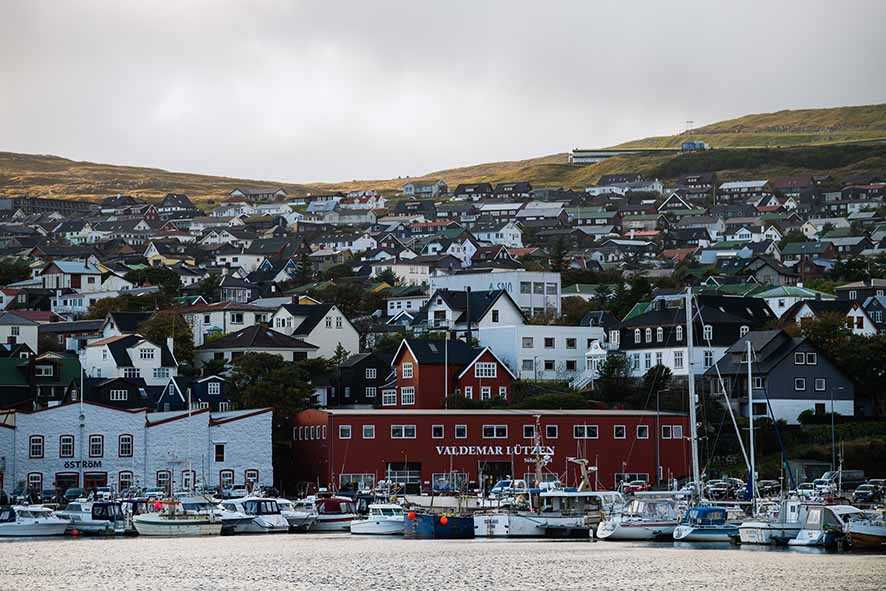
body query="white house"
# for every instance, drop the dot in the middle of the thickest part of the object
(322, 325)
(535, 292)
(543, 352)
(129, 356)
(504, 233)
(14, 330)
(222, 318)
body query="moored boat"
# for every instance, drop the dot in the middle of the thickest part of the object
(705, 524)
(94, 518)
(438, 527)
(31, 521)
(334, 514)
(642, 519)
(780, 525)
(382, 519)
(867, 532)
(264, 513)
(172, 521)
(300, 515)
(824, 525)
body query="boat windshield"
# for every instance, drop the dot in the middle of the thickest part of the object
(7, 515)
(652, 509)
(387, 511)
(109, 511)
(285, 505)
(261, 507)
(197, 506)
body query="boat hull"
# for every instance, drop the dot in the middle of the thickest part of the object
(432, 527)
(866, 536)
(376, 527)
(176, 527)
(33, 530)
(302, 522)
(760, 532)
(615, 530)
(689, 533)
(504, 525)
(334, 523)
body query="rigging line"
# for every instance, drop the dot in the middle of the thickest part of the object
(723, 390)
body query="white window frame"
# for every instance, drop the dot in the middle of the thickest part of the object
(485, 392)
(799, 358)
(463, 429)
(624, 431)
(117, 395)
(823, 382)
(371, 373)
(498, 431)
(485, 369)
(799, 384)
(583, 431)
(389, 397)
(403, 432)
(642, 429)
(345, 431)
(213, 388)
(407, 395)
(442, 429)
(666, 432)
(555, 429)
(407, 370)
(368, 431)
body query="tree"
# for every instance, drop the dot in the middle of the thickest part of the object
(558, 255)
(828, 333)
(613, 385)
(208, 287)
(388, 276)
(573, 309)
(13, 269)
(267, 380)
(657, 377)
(127, 303)
(338, 271)
(339, 355)
(166, 279)
(168, 323)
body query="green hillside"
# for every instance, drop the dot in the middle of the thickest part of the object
(783, 128)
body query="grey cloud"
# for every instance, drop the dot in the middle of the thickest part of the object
(333, 91)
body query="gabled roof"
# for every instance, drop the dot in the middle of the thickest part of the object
(119, 345)
(11, 319)
(479, 303)
(258, 337)
(128, 322)
(477, 358)
(432, 352)
(312, 314)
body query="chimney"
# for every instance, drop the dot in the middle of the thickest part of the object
(170, 344)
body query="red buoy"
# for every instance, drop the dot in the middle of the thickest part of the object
(411, 516)
(444, 520)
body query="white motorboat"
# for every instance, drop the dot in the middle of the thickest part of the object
(642, 519)
(572, 513)
(705, 524)
(334, 514)
(867, 532)
(301, 515)
(780, 524)
(385, 519)
(265, 514)
(94, 518)
(233, 522)
(31, 521)
(824, 525)
(172, 521)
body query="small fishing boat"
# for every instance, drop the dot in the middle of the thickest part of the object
(825, 525)
(300, 515)
(642, 519)
(778, 523)
(264, 513)
(334, 514)
(94, 518)
(430, 526)
(572, 513)
(383, 519)
(172, 521)
(705, 524)
(509, 524)
(233, 522)
(867, 532)
(31, 521)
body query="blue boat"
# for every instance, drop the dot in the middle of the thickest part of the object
(428, 526)
(705, 524)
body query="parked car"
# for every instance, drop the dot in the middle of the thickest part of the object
(509, 487)
(768, 488)
(867, 493)
(719, 491)
(238, 492)
(155, 493)
(74, 493)
(879, 483)
(102, 493)
(634, 486)
(824, 486)
(806, 490)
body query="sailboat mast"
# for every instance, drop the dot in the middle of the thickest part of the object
(753, 475)
(690, 380)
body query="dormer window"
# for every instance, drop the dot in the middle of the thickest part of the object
(659, 334)
(648, 335)
(708, 332)
(743, 331)
(679, 333)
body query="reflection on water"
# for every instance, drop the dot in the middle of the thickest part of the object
(341, 561)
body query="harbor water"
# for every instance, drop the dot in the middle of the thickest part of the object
(341, 561)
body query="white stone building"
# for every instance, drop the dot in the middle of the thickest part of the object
(91, 445)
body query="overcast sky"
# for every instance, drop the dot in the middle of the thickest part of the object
(302, 91)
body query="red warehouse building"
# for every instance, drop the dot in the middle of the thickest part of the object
(436, 448)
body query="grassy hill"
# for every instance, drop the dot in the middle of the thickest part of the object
(842, 141)
(783, 128)
(52, 176)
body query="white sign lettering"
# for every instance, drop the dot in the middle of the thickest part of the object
(494, 450)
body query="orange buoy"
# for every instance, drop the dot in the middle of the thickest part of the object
(411, 516)
(444, 520)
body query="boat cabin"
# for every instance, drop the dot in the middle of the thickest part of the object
(705, 516)
(567, 502)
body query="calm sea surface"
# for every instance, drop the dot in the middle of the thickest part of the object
(343, 562)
